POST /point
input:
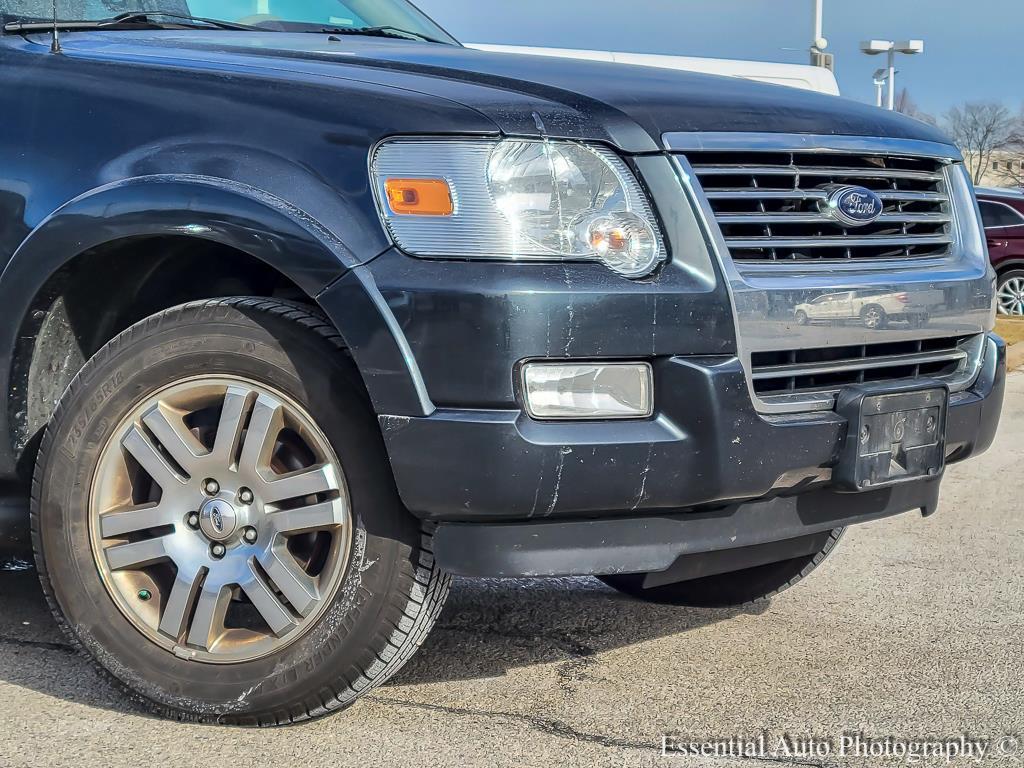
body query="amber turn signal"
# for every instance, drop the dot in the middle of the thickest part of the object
(419, 197)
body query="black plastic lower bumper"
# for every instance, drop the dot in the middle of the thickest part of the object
(653, 544)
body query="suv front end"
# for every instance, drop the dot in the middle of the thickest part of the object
(734, 446)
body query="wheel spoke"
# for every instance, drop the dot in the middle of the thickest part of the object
(305, 482)
(120, 522)
(137, 554)
(264, 427)
(176, 439)
(270, 608)
(237, 403)
(208, 620)
(179, 602)
(295, 584)
(312, 518)
(151, 460)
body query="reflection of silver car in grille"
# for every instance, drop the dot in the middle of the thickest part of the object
(874, 308)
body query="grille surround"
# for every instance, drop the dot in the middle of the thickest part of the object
(770, 205)
(952, 288)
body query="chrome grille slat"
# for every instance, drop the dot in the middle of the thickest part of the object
(796, 171)
(766, 194)
(818, 218)
(770, 204)
(813, 194)
(905, 195)
(837, 241)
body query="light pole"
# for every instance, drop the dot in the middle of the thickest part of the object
(880, 78)
(818, 40)
(891, 48)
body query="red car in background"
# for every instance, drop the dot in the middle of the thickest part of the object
(1002, 211)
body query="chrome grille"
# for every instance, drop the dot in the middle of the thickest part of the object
(768, 204)
(828, 369)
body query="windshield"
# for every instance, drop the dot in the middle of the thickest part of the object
(281, 15)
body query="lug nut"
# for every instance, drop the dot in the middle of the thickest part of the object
(245, 496)
(218, 550)
(192, 520)
(212, 487)
(250, 535)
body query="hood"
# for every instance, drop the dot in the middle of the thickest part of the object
(630, 106)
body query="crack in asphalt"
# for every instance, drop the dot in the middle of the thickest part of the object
(37, 644)
(544, 724)
(563, 730)
(571, 671)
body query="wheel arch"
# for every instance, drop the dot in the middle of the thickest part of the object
(1009, 265)
(124, 252)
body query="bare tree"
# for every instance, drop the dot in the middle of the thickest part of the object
(981, 130)
(906, 105)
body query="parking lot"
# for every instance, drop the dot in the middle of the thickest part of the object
(913, 629)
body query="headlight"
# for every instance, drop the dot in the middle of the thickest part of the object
(516, 199)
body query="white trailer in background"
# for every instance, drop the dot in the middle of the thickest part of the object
(794, 75)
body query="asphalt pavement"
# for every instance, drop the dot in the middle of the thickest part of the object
(912, 630)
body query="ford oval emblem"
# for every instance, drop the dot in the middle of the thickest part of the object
(853, 206)
(217, 519)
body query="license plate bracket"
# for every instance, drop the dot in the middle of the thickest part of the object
(896, 434)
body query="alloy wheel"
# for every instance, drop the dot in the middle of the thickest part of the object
(220, 519)
(1010, 296)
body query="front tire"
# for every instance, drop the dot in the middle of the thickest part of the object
(873, 317)
(216, 524)
(727, 590)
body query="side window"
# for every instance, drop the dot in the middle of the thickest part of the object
(999, 215)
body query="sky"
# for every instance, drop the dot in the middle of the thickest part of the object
(974, 49)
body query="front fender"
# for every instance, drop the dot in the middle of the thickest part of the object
(230, 213)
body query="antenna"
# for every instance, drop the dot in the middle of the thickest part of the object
(55, 43)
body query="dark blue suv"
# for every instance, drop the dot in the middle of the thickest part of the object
(307, 307)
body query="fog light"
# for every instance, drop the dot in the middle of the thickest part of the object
(588, 390)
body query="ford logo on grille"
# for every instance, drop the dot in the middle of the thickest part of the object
(853, 206)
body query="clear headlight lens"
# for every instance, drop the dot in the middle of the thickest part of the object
(519, 199)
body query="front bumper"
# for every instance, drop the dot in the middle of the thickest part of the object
(673, 545)
(707, 446)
